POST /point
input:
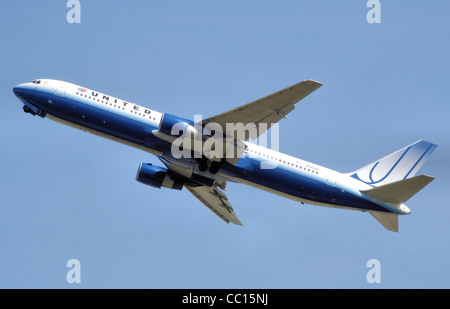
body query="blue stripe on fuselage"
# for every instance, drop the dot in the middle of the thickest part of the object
(115, 123)
(118, 124)
(297, 183)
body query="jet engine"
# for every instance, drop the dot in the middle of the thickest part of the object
(171, 123)
(157, 177)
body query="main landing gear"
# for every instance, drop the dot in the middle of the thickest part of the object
(208, 165)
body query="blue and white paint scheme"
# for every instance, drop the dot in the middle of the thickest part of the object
(380, 188)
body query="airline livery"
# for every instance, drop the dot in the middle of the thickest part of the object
(202, 155)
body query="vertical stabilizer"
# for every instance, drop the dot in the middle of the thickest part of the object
(400, 165)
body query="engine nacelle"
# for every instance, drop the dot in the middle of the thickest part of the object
(157, 177)
(177, 125)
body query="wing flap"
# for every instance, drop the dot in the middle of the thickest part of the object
(216, 201)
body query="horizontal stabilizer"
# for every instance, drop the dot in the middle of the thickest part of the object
(400, 191)
(388, 220)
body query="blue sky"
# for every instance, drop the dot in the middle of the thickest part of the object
(66, 194)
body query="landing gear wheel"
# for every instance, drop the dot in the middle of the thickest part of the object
(203, 164)
(28, 110)
(214, 167)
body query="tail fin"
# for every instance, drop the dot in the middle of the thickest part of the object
(400, 165)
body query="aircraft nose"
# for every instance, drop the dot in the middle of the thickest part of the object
(20, 89)
(17, 89)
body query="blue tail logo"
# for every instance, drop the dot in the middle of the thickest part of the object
(402, 164)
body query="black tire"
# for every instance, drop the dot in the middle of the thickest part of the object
(214, 167)
(203, 164)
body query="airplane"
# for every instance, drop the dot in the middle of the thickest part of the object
(380, 188)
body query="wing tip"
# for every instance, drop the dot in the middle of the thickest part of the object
(319, 84)
(237, 222)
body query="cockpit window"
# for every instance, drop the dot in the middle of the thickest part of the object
(36, 82)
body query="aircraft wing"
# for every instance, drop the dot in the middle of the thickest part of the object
(216, 201)
(268, 110)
